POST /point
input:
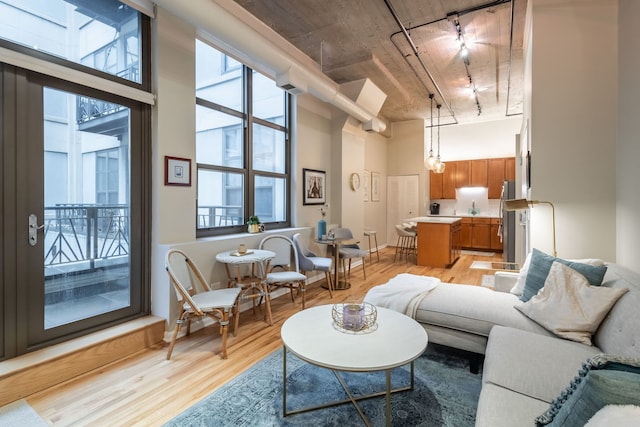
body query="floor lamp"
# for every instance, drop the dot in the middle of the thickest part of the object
(519, 204)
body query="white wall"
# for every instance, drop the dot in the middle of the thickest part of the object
(484, 140)
(572, 125)
(628, 148)
(375, 213)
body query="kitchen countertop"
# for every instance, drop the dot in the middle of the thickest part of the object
(466, 216)
(434, 219)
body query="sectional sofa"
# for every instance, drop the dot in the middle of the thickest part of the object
(530, 366)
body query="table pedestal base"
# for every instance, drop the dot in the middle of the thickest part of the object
(352, 399)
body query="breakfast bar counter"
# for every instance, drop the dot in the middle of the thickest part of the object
(438, 240)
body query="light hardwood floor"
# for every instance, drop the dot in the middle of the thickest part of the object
(148, 390)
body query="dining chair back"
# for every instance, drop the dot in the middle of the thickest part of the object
(309, 261)
(196, 298)
(283, 270)
(349, 250)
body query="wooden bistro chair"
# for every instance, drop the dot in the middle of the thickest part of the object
(283, 268)
(198, 299)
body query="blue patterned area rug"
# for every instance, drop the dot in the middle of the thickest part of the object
(445, 394)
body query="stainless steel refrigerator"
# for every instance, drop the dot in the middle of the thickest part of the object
(507, 229)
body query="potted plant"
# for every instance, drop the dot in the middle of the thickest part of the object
(253, 224)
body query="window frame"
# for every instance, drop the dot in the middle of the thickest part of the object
(247, 171)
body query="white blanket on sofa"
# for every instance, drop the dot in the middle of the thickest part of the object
(403, 293)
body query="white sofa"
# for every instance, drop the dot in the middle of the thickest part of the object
(525, 365)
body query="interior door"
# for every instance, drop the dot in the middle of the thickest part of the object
(402, 202)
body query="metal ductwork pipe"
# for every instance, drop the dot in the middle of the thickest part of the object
(212, 19)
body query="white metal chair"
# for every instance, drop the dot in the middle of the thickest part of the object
(406, 243)
(349, 251)
(308, 261)
(198, 299)
(283, 269)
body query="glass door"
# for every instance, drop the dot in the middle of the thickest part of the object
(78, 241)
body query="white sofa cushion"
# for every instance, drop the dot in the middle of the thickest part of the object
(532, 364)
(473, 309)
(501, 407)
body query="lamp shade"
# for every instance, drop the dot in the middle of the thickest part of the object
(519, 204)
(516, 204)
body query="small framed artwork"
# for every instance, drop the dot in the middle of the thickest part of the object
(177, 171)
(375, 186)
(366, 184)
(315, 187)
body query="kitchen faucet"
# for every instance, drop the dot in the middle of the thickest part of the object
(473, 207)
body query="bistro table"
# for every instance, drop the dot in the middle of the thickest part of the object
(335, 243)
(253, 285)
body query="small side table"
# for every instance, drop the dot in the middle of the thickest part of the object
(253, 286)
(373, 233)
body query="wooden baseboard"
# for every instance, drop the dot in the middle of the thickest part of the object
(39, 370)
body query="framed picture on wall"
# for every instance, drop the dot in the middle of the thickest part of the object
(315, 187)
(177, 171)
(375, 186)
(366, 184)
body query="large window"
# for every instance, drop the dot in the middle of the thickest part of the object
(101, 34)
(242, 145)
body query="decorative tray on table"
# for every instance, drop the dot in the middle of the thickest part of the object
(236, 253)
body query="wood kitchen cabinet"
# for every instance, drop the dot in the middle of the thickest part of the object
(479, 173)
(465, 233)
(443, 185)
(435, 185)
(463, 173)
(481, 233)
(496, 176)
(449, 180)
(438, 243)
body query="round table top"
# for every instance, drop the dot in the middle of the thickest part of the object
(311, 336)
(252, 255)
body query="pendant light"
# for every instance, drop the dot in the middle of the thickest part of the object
(439, 166)
(430, 162)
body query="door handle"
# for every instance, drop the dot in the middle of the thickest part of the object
(33, 229)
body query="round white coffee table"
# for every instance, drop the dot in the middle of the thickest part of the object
(311, 336)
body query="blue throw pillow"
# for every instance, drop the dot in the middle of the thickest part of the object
(539, 270)
(603, 380)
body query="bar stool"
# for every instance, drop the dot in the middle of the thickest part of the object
(406, 243)
(370, 233)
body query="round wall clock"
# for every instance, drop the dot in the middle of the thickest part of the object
(354, 181)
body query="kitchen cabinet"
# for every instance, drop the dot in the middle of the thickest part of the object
(481, 233)
(496, 176)
(438, 242)
(465, 233)
(479, 173)
(496, 243)
(463, 173)
(443, 185)
(435, 185)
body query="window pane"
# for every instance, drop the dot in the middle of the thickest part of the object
(219, 138)
(268, 149)
(218, 77)
(86, 183)
(220, 199)
(268, 99)
(101, 34)
(270, 199)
